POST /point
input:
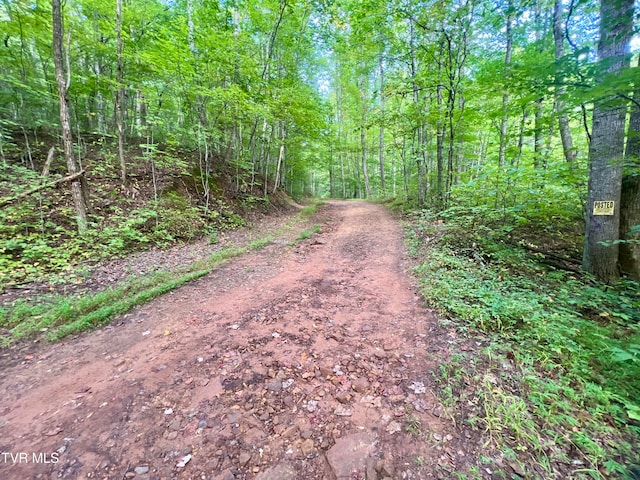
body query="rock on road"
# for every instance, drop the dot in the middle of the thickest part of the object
(298, 361)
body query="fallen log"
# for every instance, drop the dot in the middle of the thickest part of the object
(551, 255)
(562, 266)
(68, 178)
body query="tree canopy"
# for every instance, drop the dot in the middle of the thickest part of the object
(466, 104)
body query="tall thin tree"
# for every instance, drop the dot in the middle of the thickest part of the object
(62, 82)
(383, 185)
(504, 122)
(570, 153)
(120, 95)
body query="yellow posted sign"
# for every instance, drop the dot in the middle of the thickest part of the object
(604, 207)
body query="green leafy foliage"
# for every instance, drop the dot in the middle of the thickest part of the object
(56, 316)
(576, 343)
(34, 246)
(180, 220)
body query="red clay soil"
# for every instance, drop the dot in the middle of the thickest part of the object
(307, 361)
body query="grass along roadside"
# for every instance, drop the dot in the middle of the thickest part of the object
(57, 316)
(545, 368)
(308, 233)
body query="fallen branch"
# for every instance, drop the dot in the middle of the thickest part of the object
(555, 261)
(68, 178)
(551, 255)
(558, 264)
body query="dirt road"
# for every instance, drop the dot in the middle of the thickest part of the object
(307, 361)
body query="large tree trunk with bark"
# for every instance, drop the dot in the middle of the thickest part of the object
(79, 195)
(630, 197)
(607, 145)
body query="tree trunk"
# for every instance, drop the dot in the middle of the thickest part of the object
(267, 159)
(190, 27)
(283, 138)
(120, 95)
(381, 139)
(629, 217)
(99, 100)
(363, 136)
(65, 121)
(607, 145)
(539, 106)
(570, 153)
(523, 122)
(537, 134)
(345, 157)
(341, 147)
(405, 173)
(630, 196)
(505, 94)
(344, 185)
(439, 146)
(331, 175)
(451, 173)
(418, 145)
(265, 68)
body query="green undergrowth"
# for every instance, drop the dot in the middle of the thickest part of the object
(308, 233)
(310, 209)
(39, 240)
(556, 385)
(57, 316)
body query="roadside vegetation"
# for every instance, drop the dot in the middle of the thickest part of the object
(40, 244)
(308, 233)
(509, 131)
(162, 206)
(58, 315)
(552, 381)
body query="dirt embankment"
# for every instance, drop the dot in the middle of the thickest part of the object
(294, 362)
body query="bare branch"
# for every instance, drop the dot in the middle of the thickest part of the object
(631, 99)
(585, 123)
(566, 26)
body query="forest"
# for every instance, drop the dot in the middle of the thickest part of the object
(471, 105)
(505, 133)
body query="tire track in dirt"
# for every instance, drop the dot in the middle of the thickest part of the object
(272, 367)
